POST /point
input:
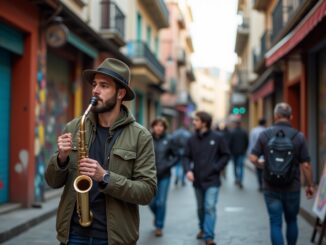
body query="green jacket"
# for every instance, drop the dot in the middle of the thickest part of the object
(132, 178)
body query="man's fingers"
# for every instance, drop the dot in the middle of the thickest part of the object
(65, 144)
(86, 169)
(66, 136)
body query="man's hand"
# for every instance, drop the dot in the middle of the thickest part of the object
(91, 168)
(190, 176)
(64, 146)
(310, 191)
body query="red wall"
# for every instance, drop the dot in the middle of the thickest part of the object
(22, 15)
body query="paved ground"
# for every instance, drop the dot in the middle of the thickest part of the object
(242, 219)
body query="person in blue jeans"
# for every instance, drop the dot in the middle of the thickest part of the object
(179, 141)
(238, 146)
(205, 157)
(284, 200)
(165, 159)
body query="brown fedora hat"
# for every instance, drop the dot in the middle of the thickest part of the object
(116, 69)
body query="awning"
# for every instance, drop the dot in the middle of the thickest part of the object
(285, 45)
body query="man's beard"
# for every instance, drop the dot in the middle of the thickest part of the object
(108, 105)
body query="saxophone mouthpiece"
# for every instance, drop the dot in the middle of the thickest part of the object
(94, 100)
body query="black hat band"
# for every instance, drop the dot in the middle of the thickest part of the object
(113, 74)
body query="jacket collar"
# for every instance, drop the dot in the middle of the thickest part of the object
(283, 123)
(124, 118)
(202, 135)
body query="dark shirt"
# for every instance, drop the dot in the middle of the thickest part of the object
(209, 154)
(164, 156)
(97, 199)
(301, 155)
(238, 141)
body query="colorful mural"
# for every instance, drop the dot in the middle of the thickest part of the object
(40, 159)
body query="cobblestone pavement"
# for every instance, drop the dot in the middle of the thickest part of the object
(242, 219)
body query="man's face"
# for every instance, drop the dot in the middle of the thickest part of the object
(105, 89)
(198, 124)
(158, 129)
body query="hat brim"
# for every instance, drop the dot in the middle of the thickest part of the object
(88, 76)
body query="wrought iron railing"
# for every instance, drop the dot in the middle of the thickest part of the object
(282, 14)
(259, 56)
(112, 17)
(277, 19)
(139, 49)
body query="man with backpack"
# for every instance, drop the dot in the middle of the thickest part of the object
(285, 152)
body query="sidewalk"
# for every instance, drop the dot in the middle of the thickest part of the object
(20, 220)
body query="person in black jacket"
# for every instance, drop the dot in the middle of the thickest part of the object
(209, 153)
(238, 145)
(164, 159)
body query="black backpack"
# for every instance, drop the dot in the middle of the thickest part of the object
(279, 153)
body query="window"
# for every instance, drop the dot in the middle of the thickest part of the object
(139, 27)
(149, 36)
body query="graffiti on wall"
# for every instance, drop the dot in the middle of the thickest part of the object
(39, 130)
(21, 166)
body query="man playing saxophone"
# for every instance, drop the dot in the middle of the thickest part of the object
(120, 163)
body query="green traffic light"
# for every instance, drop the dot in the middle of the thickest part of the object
(242, 110)
(235, 110)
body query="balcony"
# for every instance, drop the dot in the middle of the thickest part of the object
(242, 36)
(259, 54)
(242, 84)
(146, 66)
(285, 16)
(112, 22)
(181, 56)
(157, 11)
(261, 5)
(277, 19)
(190, 73)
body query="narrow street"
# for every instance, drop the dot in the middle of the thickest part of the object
(242, 219)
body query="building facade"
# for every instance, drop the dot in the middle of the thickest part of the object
(211, 93)
(177, 105)
(289, 62)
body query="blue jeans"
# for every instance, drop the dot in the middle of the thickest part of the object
(206, 210)
(179, 173)
(238, 161)
(279, 203)
(80, 240)
(158, 204)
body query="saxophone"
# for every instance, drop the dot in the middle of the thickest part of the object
(83, 183)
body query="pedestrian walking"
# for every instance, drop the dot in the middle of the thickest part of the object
(180, 138)
(165, 160)
(209, 153)
(238, 147)
(254, 134)
(285, 153)
(119, 167)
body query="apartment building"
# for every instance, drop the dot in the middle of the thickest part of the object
(248, 34)
(290, 61)
(176, 48)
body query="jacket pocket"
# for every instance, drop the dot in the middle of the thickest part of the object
(122, 162)
(124, 154)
